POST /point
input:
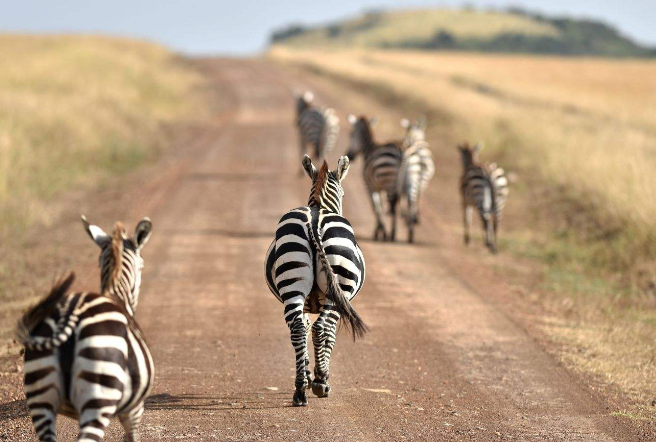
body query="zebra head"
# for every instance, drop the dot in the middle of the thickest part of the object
(362, 137)
(414, 132)
(303, 101)
(120, 260)
(468, 154)
(327, 191)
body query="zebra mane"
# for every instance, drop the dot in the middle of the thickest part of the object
(117, 253)
(318, 185)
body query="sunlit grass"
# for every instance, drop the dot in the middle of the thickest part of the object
(74, 109)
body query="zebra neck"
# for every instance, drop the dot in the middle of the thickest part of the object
(120, 291)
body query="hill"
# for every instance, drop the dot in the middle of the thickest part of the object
(510, 31)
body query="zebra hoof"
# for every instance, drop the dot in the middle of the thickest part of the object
(300, 398)
(320, 388)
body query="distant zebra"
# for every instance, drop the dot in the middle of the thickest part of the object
(85, 356)
(416, 170)
(381, 169)
(484, 187)
(314, 265)
(317, 127)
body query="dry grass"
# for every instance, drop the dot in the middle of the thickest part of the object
(74, 109)
(420, 25)
(583, 133)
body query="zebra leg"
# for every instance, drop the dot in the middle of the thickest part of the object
(323, 336)
(393, 200)
(308, 326)
(378, 211)
(43, 389)
(467, 219)
(131, 422)
(492, 233)
(95, 423)
(296, 324)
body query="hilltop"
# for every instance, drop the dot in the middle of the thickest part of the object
(510, 31)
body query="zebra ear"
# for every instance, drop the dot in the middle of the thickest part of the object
(97, 234)
(142, 232)
(405, 123)
(352, 119)
(478, 147)
(421, 122)
(373, 121)
(308, 96)
(342, 167)
(309, 167)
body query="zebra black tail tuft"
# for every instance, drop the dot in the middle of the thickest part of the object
(350, 318)
(42, 310)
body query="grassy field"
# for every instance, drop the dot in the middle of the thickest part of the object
(393, 28)
(581, 136)
(75, 109)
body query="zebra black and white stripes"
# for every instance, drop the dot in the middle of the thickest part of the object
(381, 169)
(317, 127)
(417, 169)
(315, 265)
(85, 356)
(484, 188)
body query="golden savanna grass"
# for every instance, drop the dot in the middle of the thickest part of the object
(581, 134)
(420, 25)
(75, 109)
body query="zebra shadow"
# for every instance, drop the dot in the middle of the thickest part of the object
(245, 401)
(13, 410)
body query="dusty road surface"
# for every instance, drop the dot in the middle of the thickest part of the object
(443, 360)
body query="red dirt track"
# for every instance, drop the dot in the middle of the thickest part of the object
(444, 360)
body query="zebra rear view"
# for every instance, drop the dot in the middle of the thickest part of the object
(85, 356)
(416, 170)
(317, 127)
(314, 265)
(381, 169)
(485, 188)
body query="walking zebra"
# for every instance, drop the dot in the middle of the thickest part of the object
(381, 169)
(417, 169)
(314, 265)
(317, 127)
(484, 187)
(85, 356)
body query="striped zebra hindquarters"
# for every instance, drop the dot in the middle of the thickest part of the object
(382, 163)
(477, 191)
(417, 169)
(85, 356)
(314, 265)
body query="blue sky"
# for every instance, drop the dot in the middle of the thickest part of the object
(243, 26)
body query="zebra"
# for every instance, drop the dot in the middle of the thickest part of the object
(85, 355)
(381, 169)
(317, 127)
(416, 170)
(484, 187)
(314, 265)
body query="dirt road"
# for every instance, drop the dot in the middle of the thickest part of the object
(443, 360)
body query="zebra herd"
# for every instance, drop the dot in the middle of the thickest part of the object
(85, 355)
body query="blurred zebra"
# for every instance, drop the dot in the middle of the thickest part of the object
(484, 187)
(85, 356)
(317, 127)
(417, 169)
(381, 169)
(314, 265)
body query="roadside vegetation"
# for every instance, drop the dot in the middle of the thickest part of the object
(580, 135)
(77, 109)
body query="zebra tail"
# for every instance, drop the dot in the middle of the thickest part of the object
(42, 310)
(351, 319)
